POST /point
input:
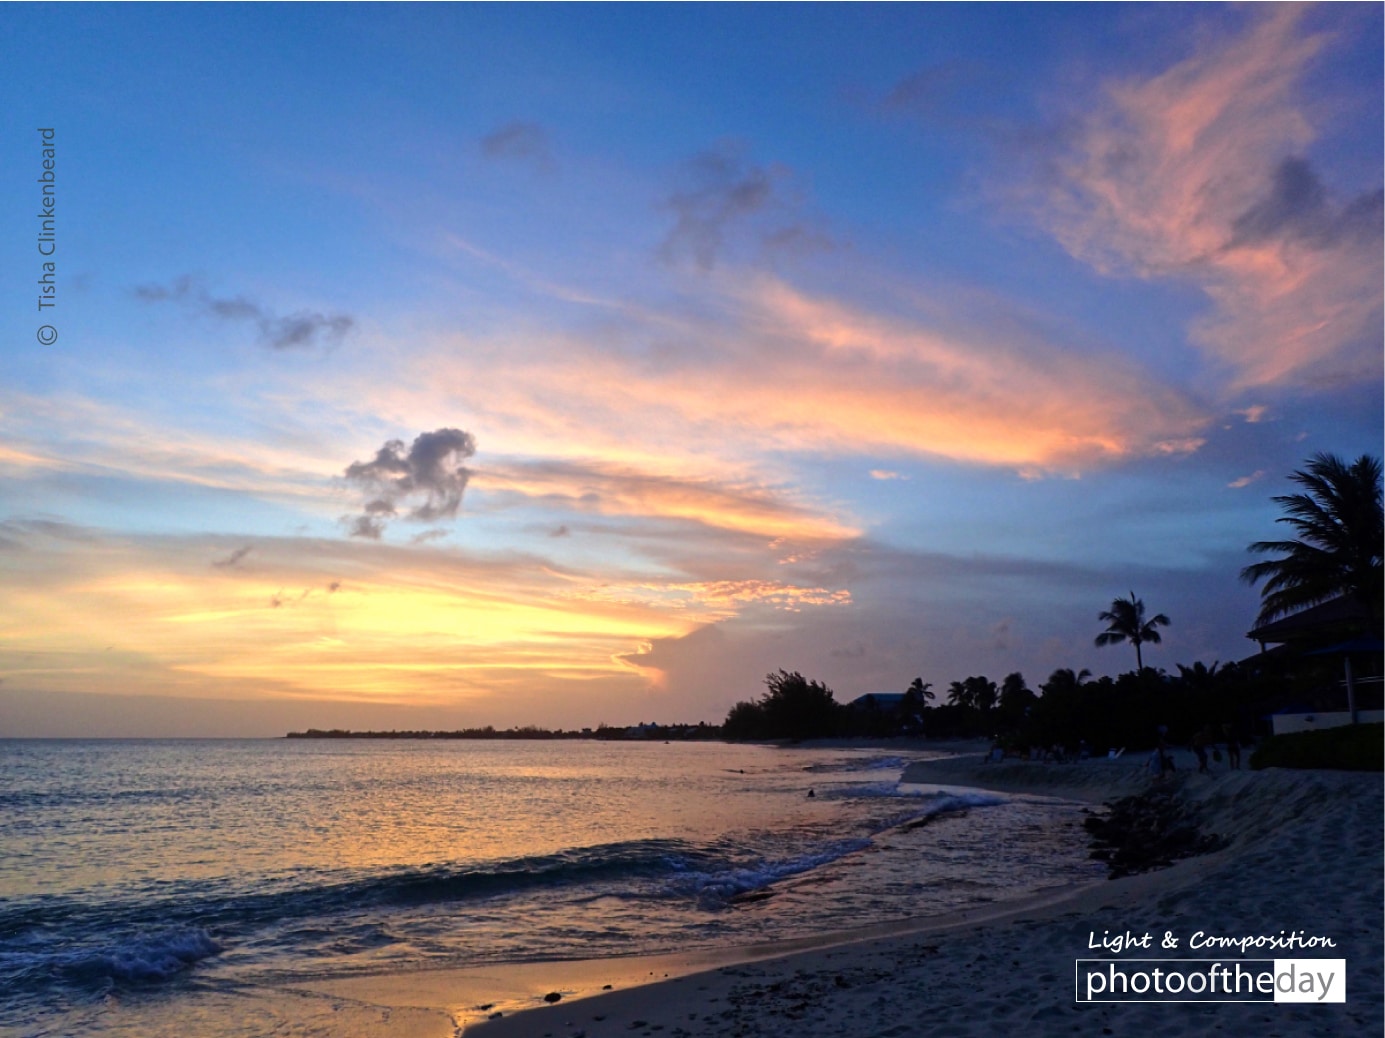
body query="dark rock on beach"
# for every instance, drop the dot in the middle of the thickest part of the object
(1148, 831)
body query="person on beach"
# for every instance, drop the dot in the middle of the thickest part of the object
(1233, 748)
(1200, 743)
(1164, 752)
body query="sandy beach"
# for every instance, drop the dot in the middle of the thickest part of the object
(1305, 856)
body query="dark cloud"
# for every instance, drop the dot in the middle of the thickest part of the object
(234, 558)
(1299, 207)
(521, 142)
(428, 480)
(721, 193)
(302, 330)
(364, 526)
(561, 531)
(281, 598)
(237, 309)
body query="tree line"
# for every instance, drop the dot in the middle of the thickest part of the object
(1335, 553)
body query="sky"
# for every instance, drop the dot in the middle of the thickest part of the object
(440, 366)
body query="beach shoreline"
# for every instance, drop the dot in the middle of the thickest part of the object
(1304, 856)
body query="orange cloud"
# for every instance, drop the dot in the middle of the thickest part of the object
(604, 489)
(714, 600)
(1197, 173)
(768, 369)
(319, 619)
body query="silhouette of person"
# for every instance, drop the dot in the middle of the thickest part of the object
(1233, 748)
(1165, 752)
(1200, 743)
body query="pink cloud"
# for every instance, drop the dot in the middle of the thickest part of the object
(1197, 173)
(767, 367)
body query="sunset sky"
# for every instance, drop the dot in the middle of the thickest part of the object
(425, 366)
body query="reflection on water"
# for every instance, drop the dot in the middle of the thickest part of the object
(152, 873)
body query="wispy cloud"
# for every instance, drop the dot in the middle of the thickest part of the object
(723, 598)
(722, 195)
(1199, 173)
(302, 330)
(1245, 481)
(102, 438)
(597, 488)
(234, 558)
(763, 367)
(519, 141)
(938, 94)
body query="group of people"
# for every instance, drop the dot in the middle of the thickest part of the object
(1057, 752)
(1205, 745)
(1205, 742)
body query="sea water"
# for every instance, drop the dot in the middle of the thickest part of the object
(137, 876)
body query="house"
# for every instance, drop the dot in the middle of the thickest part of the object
(1341, 632)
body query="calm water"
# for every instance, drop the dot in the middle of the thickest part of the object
(134, 874)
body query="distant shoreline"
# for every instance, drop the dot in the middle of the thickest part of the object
(643, 733)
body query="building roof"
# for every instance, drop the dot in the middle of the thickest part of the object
(879, 698)
(1336, 614)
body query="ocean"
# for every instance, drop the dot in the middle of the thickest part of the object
(142, 881)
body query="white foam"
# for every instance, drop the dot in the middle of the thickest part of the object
(148, 959)
(724, 885)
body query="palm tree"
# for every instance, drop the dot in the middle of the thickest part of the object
(921, 690)
(959, 694)
(1338, 548)
(1064, 678)
(1126, 623)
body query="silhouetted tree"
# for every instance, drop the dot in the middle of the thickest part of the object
(1064, 679)
(1015, 700)
(746, 720)
(914, 703)
(1126, 622)
(1338, 545)
(958, 694)
(920, 690)
(1199, 677)
(793, 708)
(975, 693)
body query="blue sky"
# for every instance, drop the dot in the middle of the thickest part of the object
(668, 346)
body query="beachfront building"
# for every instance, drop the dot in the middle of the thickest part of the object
(1337, 641)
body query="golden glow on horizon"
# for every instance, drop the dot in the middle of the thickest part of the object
(403, 635)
